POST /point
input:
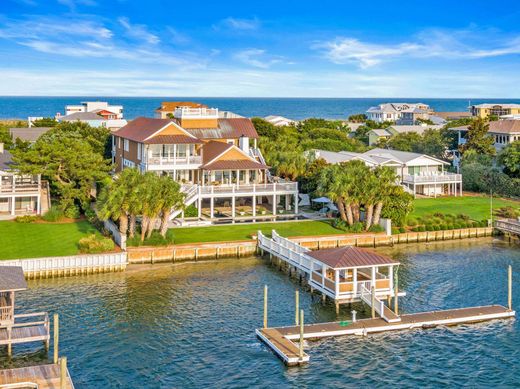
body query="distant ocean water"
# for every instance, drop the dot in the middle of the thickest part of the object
(293, 108)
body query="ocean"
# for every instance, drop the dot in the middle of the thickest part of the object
(293, 108)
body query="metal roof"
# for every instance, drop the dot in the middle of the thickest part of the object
(349, 257)
(12, 279)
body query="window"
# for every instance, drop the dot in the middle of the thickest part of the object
(127, 144)
(139, 151)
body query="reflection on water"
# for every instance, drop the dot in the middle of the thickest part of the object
(192, 325)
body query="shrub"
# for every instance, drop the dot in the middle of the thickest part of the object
(402, 230)
(429, 227)
(439, 215)
(507, 212)
(484, 222)
(54, 214)
(191, 211)
(436, 220)
(340, 224)
(94, 244)
(357, 227)
(449, 226)
(421, 228)
(463, 217)
(26, 219)
(155, 240)
(457, 226)
(436, 227)
(443, 226)
(90, 214)
(395, 230)
(72, 212)
(376, 228)
(412, 222)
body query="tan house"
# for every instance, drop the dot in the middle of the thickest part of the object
(503, 132)
(216, 160)
(168, 108)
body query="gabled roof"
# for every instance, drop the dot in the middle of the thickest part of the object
(12, 279)
(169, 106)
(213, 150)
(172, 139)
(6, 159)
(504, 126)
(141, 128)
(80, 116)
(380, 132)
(418, 129)
(227, 129)
(399, 156)
(28, 134)
(350, 257)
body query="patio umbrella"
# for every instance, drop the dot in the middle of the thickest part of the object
(322, 200)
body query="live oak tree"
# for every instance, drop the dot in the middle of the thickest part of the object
(509, 157)
(478, 138)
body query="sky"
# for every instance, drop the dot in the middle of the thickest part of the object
(262, 48)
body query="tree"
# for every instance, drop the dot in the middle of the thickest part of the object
(478, 138)
(172, 198)
(509, 157)
(357, 118)
(45, 122)
(406, 141)
(151, 203)
(5, 137)
(434, 143)
(99, 138)
(68, 161)
(387, 189)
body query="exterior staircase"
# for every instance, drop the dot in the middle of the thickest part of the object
(191, 195)
(257, 154)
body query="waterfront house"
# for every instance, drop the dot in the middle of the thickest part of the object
(375, 135)
(19, 194)
(503, 132)
(279, 121)
(486, 110)
(93, 119)
(167, 108)
(419, 174)
(216, 160)
(393, 112)
(102, 108)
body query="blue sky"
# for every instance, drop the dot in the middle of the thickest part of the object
(260, 48)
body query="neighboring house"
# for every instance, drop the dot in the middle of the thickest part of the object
(19, 195)
(375, 135)
(393, 111)
(27, 134)
(169, 107)
(411, 116)
(93, 119)
(452, 115)
(418, 173)
(485, 110)
(216, 160)
(100, 107)
(279, 121)
(504, 132)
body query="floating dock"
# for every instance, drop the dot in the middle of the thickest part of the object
(280, 339)
(40, 377)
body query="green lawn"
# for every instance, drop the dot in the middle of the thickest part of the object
(476, 207)
(32, 240)
(244, 231)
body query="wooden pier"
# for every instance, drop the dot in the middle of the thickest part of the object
(280, 339)
(39, 377)
(508, 226)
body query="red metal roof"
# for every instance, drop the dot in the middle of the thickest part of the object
(213, 149)
(234, 165)
(141, 128)
(350, 256)
(227, 129)
(173, 139)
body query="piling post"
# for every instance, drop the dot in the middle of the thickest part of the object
(56, 327)
(63, 373)
(510, 288)
(297, 307)
(354, 313)
(337, 308)
(301, 334)
(265, 306)
(373, 293)
(396, 292)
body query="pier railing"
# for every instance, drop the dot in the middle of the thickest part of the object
(508, 225)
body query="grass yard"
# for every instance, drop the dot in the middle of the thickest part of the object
(244, 231)
(32, 240)
(476, 207)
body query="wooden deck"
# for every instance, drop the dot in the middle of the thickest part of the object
(31, 333)
(45, 376)
(276, 338)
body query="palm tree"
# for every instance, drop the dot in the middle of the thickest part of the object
(387, 180)
(151, 203)
(171, 197)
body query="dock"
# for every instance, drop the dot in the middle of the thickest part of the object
(39, 376)
(508, 226)
(280, 339)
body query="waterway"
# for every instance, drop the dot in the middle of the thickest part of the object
(192, 325)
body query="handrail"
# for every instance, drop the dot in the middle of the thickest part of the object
(20, 385)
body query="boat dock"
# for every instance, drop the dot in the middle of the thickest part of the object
(351, 274)
(49, 376)
(280, 339)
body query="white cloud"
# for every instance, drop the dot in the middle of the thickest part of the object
(177, 37)
(433, 43)
(256, 58)
(73, 4)
(138, 31)
(238, 24)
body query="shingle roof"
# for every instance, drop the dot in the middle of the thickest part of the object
(414, 128)
(141, 128)
(504, 126)
(5, 160)
(169, 106)
(349, 256)
(227, 129)
(80, 116)
(28, 134)
(400, 156)
(12, 278)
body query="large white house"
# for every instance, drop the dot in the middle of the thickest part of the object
(418, 173)
(101, 108)
(403, 113)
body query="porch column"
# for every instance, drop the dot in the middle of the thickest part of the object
(174, 155)
(254, 206)
(12, 205)
(199, 202)
(391, 273)
(246, 177)
(373, 281)
(323, 269)
(336, 281)
(354, 280)
(287, 202)
(274, 205)
(38, 204)
(233, 207)
(238, 178)
(211, 206)
(296, 204)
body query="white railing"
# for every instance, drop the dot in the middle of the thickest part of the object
(6, 313)
(167, 160)
(509, 225)
(76, 262)
(249, 188)
(19, 188)
(433, 178)
(182, 112)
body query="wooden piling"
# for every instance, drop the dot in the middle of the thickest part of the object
(510, 288)
(265, 306)
(337, 308)
(63, 373)
(373, 296)
(56, 337)
(396, 292)
(301, 334)
(297, 307)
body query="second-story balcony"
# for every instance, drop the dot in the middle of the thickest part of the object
(170, 162)
(16, 185)
(432, 178)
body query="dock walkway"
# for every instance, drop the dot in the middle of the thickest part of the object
(277, 338)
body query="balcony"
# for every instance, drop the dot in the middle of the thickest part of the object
(8, 188)
(440, 178)
(195, 113)
(249, 189)
(166, 162)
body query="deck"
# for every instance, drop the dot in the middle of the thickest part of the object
(23, 331)
(277, 338)
(511, 226)
(44, 376)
